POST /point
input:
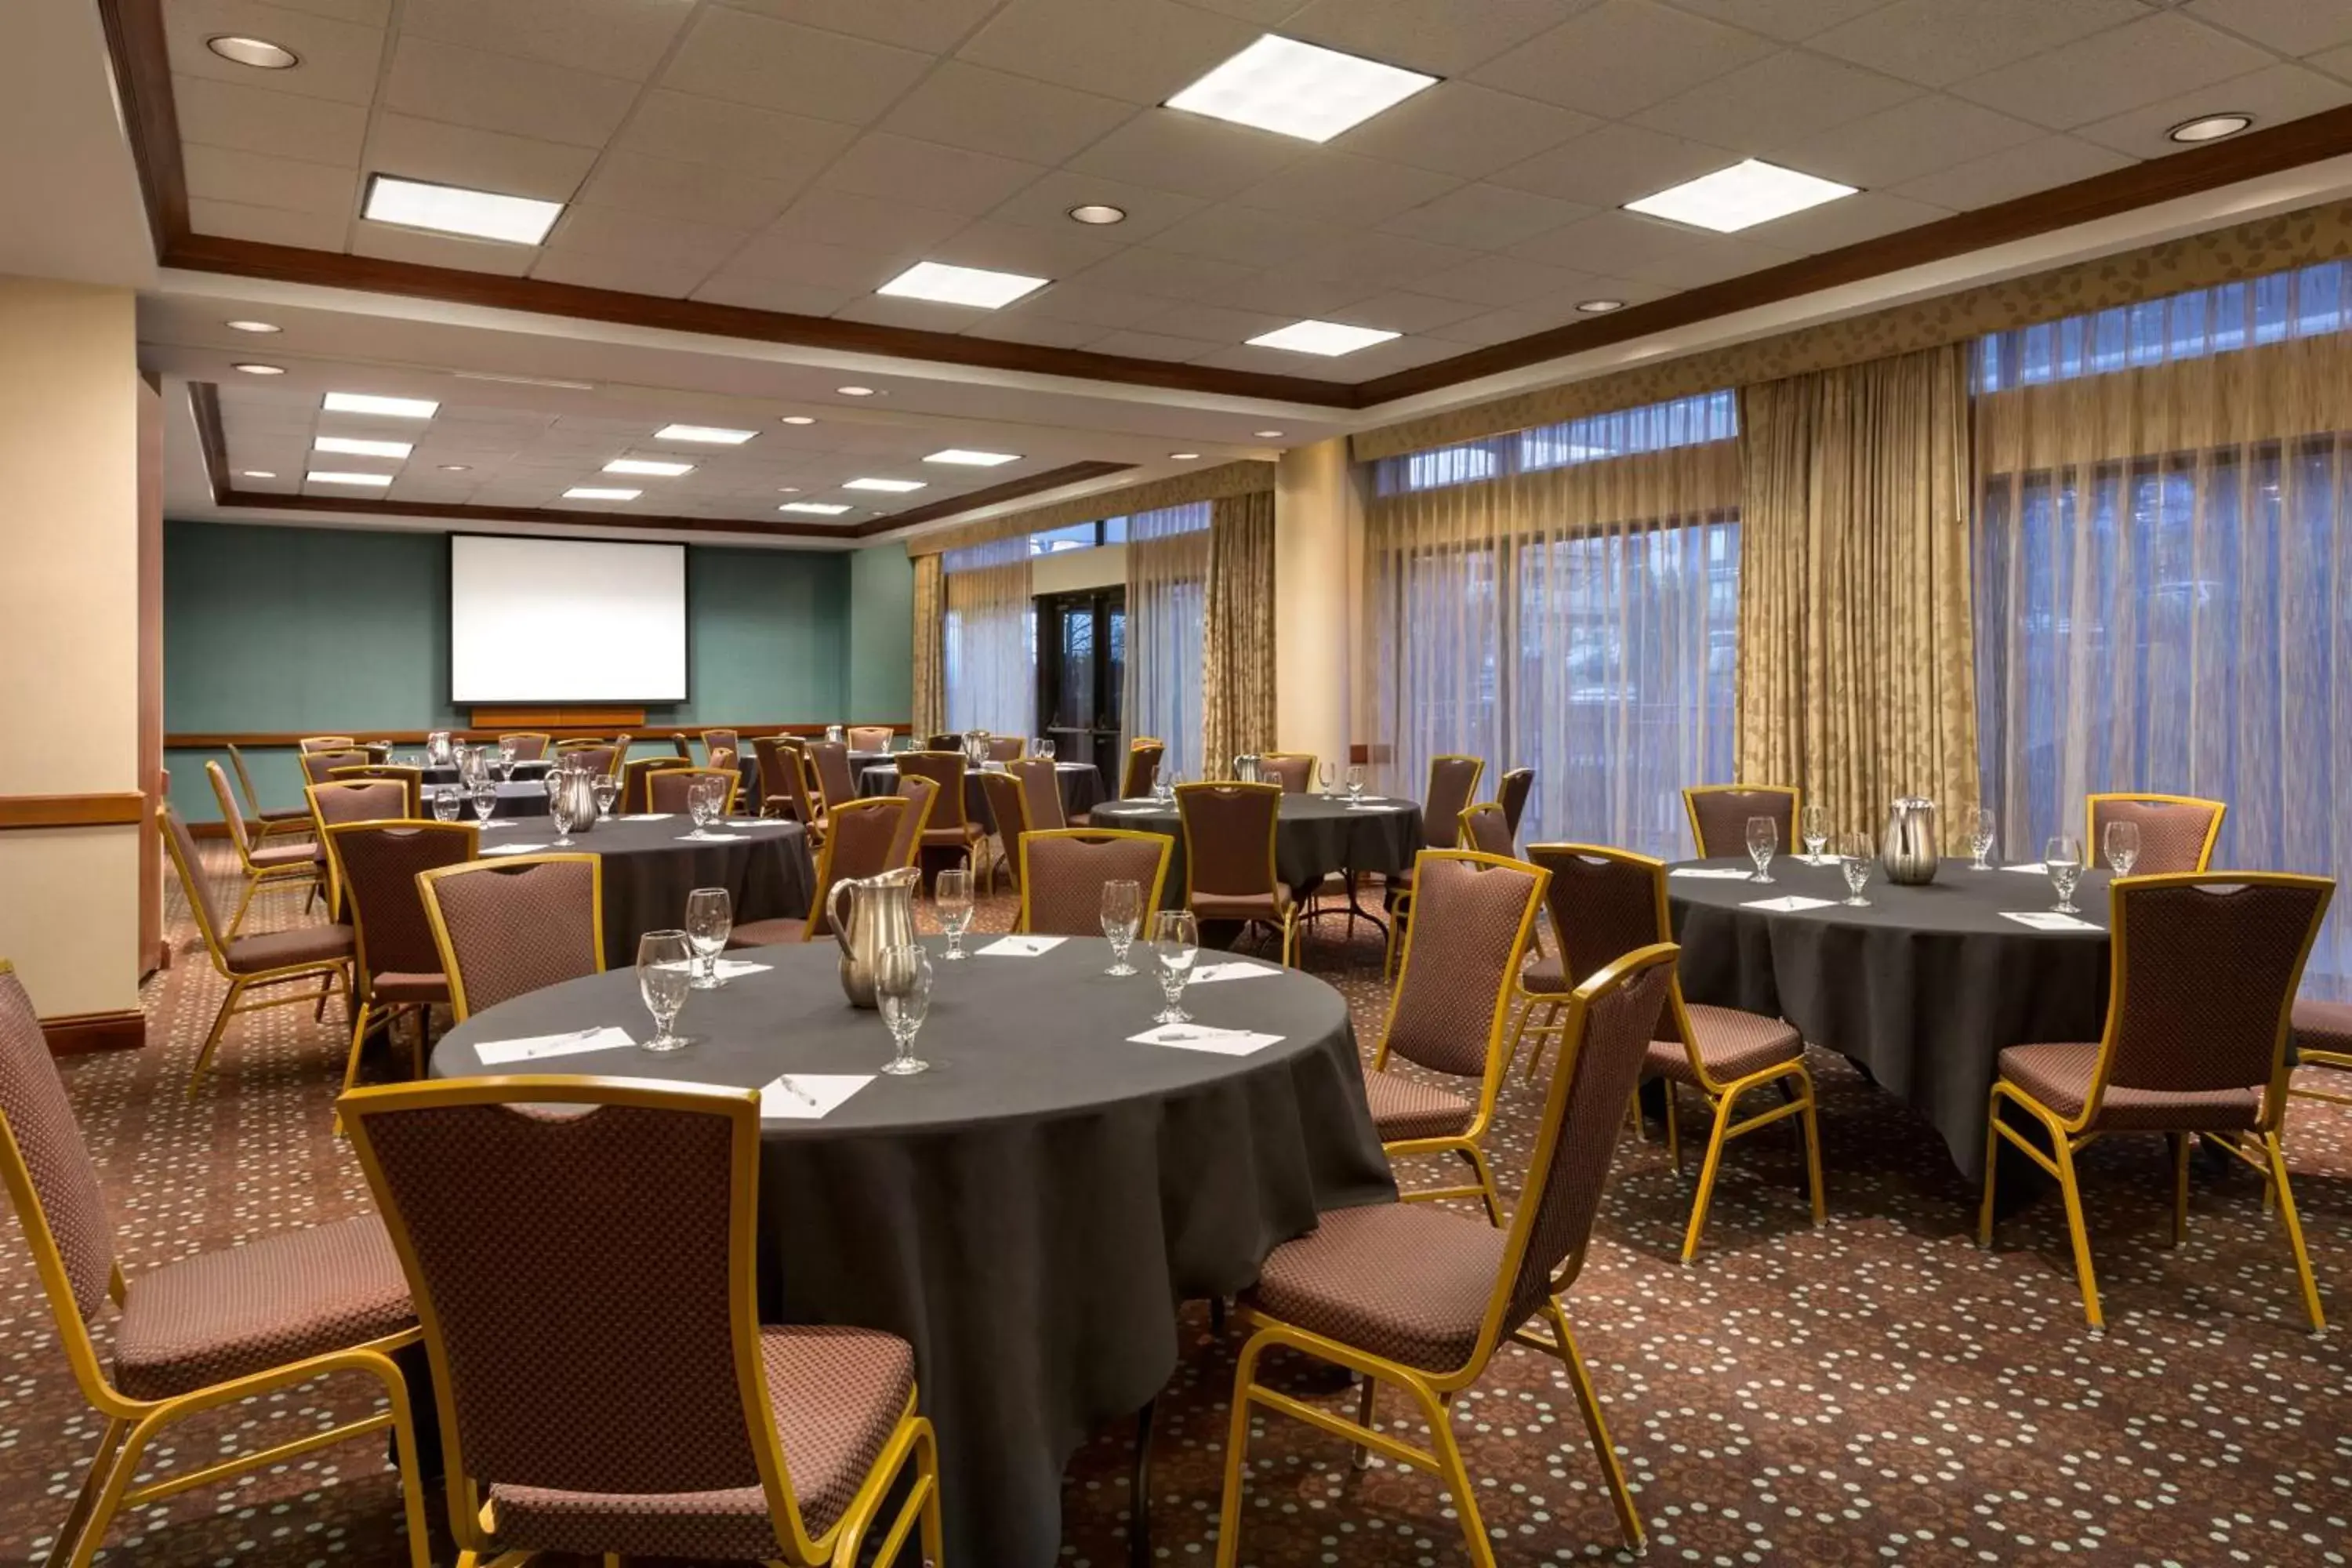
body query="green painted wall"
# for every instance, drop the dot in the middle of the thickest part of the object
(346, 631)
(881, 635)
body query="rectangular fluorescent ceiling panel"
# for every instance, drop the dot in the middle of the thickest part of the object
(896, 486)
(973, 285)
(708, 434)
(390, 407)
(821, 508)
(319, 476)
(1330, 339)
(651, 467)
(973, 460)
(598, 492)
(350, 447)
(1298, 90)
(454, 209)
(1740, 196)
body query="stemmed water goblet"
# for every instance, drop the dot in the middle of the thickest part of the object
(2122, 847)
(2063, 858)
(1355, 781)
(506, 762)
(559, 813)
(1813, 827)
(444, 804)
(1324, 776)
(1175, 944)
(1122, 914)
(710, 918)
(1855, 860)
(952, 898)
(1044, 750)
(606, 789)
(902, 985)
(1982, 833)
(1763, 841)
(665, 974)
(486, 802)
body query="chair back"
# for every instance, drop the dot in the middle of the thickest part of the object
(678, 743)
(1229, 837)
(869, 736)
(376, 864)
(1471, 917)
(1008, 803)
(1486, 830)
(48, 1170)
(245, 779)
(1004, 748)
(2175, 831)
(529, 746)
(1719, 812)
(943, 742)
(666, 790)
(1453, 785)
(1065, 869)
(1041, 786)
(353, 800)
(1517, 784)
(190, 865)
(945, 770)
(1604, 904)
(522, 924)
(1294, 770)
(411, 780)
(919, 793)
(862, 841)
(319, 767)
(231, 817)
(596, 756)
(633, 776)
(721, 748)
(2204, 970)
(310, 744)
(783, 790)
(833, 780)
(1143, 754)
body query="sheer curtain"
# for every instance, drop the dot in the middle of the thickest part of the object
(1167, 612)
(1565, 599)
(989, 639)
(2164, 572)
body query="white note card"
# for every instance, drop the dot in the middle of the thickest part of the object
(1713, 873)
(535, 1048)
(1790, 905)
(1201, 1037)
(648, 816)
(808, 1096)
(2048, 920)
(1210, 973)
(2031, 867)
(728, 968)
(1020, 946)
(494, 822)
(513, 849)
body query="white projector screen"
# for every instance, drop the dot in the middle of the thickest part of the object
(565, 620)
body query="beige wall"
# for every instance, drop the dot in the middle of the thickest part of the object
(1318, 526)
(69, 637)
(1104, 566)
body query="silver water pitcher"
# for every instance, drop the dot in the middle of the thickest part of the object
(436, 748)
(1910, 850)
(572, 786)
(881, 916)
(1245, 768)
(975, 747)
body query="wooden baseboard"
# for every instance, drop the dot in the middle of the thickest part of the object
(77, 1033)
(113, 809)
(208, 830)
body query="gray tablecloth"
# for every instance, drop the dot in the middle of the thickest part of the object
(1923, 989)
(1081, 789)
(521, 799)
(442, 775)
(1028, 1214)
(1317, 836)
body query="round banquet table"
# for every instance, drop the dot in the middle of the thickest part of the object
(1317, 836)
(1924, 988)
(521, 799)
(448, 775)
(1028, 1214)
(1081, 785)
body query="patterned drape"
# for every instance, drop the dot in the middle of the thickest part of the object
(1237, 689)
(1856, 656)
(930, 673)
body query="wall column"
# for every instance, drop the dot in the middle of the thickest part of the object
(1319, 527)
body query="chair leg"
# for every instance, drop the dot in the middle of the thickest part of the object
(1707, 1177)
(2179, 1141)
(2073, 1191)
(1361, 1456)
(2277, 1159)
(1673, 1129)
(351, 1061)
(102, 1468)
(1229, 1513)
(1587, 1401)
(1486, 1194)
(1457, 1476)
(243, 903)
(1992, 1169)
(1810, 1116)
(110, 1494)
(212, 1039)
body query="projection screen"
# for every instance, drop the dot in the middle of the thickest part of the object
(565, 620)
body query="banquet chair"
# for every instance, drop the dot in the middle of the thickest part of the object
(831, 758)
(1065, 869)
(864, 843)
(1004, 748)
(1718, 817)
(597, 756)
(679, 744)
(530, 746)
(1041, 785)
(1229, 857)
(721, 748)
(275, 866)
(411, 780)
(666, 790)
(1517, 786)
(351, 800)
(942, 741)
(784, 784)
(318, 766)
(947, 827)
(516, 924)
(2175, 831)
(1486, 830)
(1453, 785)
(1448, 1013)
(201, 1331)
(623, 1399)
(320, 952)
(310, 744)
(1421, 1299)
(395, 967)
(1143, 758)
(1008, 804)
(1605, 904)
(1294, 770)
(2202, 975)
(919, 793)
(266, 822)
(635, 775)
(2323, 1038)
(869, 736)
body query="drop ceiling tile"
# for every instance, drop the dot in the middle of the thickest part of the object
(1087, 304)
(783, 254)
(1397, 353)
(1267, 12)
(761, 142)
(1627, 244)
(1144, 51)
(366, 13)
(1047, 204)
(2272, 96)
(965, 105)
(698, 193)
(486, 160)
(1935, 43)
(1341, 188)
(270, 226)
(1216, 324)
(1279, 361)
(1460, 127)
(2290, 27)
(1622, 56)
(1191, 153)
(1019, 247)
(1782, 99)
(500, 92)
(1412, 313)
(1378, 261)
(1494, 327)
(1502, 281)
(1144, 269)
(1132, 344)
(1791, 21)
(257, 179)
(1285, 293)
(228, 114)
(769, 64)
(761, 292)
(867, 223)
(392, 244)
(2012, 171)
(2336, 62)
(612, 37)
(925, 315)
(606, 231)
(1446, 40)
(1487, 218)
(1041, 330)
(931, 25)
(1614, 165)
(1847, 221)
(2108, 73)
(1246, 235)
(950, 179)
(1929, 132)
(340, 59)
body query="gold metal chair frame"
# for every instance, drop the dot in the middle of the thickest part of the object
(310, 795)
(2258, 1147)
(2341, 1061)
(1002, 852)
(546, 741)
(367, 1011)
(132, 1423)
(472, 1518)
(262, 826)
(636, 794)
(1139, 743)
(1432, 1395)
(299, 873)
(1288, 930)
(2217, 809)
(1401, 900)
(1690, 808)
(819, 917)
(1151, 895)
(309, 743)
(734, 783)
(427, 888)
(1308, 757)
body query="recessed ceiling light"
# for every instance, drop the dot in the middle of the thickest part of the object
(252, 326)
(1741, 196)
(1330, 339)
(1266, 434)
(258, 53)
(975, 286)
(1098, 213)
(454, 209)
(350, 447)
(651, 467)
(1182, 457)
(524, 380)
(708, 435)
(821, 508)
(390, 407)
(895, 487)
(797, 419)
(1297, 89)
(857, 392)
(973, 460)
(1599, 306)
(258, 474)
(2209, 126)
(788, 489)
(261, 369)
(598, 492)
(318, 477)
(457, 468)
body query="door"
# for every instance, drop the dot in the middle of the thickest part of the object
(1082, 676)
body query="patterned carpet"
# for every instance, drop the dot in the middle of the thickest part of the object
(1875, 1390)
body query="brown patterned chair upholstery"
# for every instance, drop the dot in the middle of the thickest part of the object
(1144, 755)
(1718, 817)
(2175, 831)
(395, 966)
(943, 742)
(1229, 860)
(1064, 869)
(864, 843)
(635, 788)
(319, 767)
(1294, 770)
(833, 781)
(870, 737)
(947, 827)
(1041, 785)
(1449, 1008)
(1420, 1298)
(1008, 803)
(721, 748)
(1517, 786)
(274, 866)
(290, 821)
(352, 800)
(666, 790)
(411, 780)
(530, 746)
(2203, 970)
(516, 924)
(1004, 748)
(679, 744)
(783, 781)
(201, 1331)
(2323, 1038)
(599, 757)
(919, 793)
(310, 744)
(1486, 830)
(624, 1398)
(1453, 785)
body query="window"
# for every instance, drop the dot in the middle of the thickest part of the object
(1622, 433)
(988, 637)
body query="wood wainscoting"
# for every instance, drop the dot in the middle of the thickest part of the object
(119, 808)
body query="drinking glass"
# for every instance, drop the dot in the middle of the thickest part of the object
(1323, 777)
(1763, 838)
(1813, 827)
(2122, 846)
(951, 897)
(1045, 748)
(1175, 943)
(700, 799)
(559, 813)
(1980, 837)
(665, 974)
(2063, 858)
(1355, 781)
(608, 790)
(444, 804)
(1855, 858)
(709, 920)
(485, 801)
(902, 984)
(1122, 913)
(506, 760)
(1164, 785)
